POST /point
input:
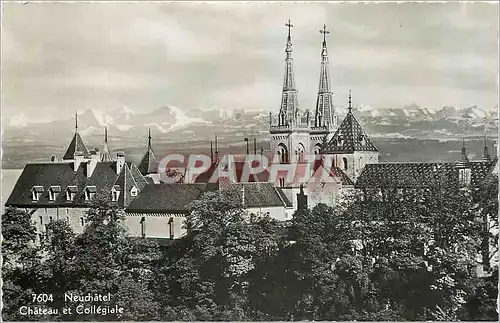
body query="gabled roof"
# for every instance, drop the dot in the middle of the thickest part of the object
(166, 198)
(126, 181)
(419, 175)
(138, 178)
(349, 137)
(76, 145)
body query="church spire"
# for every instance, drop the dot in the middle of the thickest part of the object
(486, 155)
(289, 102)
(76, 121)
(324, 116)
(464, 161)
(106, 155)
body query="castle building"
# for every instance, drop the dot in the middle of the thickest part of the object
(66, 190)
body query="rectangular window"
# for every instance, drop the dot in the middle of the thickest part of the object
(50, 219)
(67, 219)
(82, 221)
(41, 220)
(67, 210)
(143, 227)
(171, 227)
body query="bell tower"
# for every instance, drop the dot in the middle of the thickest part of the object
(289, 132)
(325, 119)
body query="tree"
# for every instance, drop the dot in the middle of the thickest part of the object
(21, 262)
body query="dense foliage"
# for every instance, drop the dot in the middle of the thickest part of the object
(387, 258)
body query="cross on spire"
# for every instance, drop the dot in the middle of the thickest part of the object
(324, 32)
(289, 25)
(76, 121)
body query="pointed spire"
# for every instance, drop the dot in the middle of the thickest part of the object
(211, 152)
(106, 155)
(464, 161)
(349, 107)
(148, 164)
(149, 138)
(76, 121)
(324, 52)
(486, 155)
(324, 116)
(289, 102)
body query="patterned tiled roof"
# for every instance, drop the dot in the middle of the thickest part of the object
(45, 175)
(418, 175)
(76, 146)
(349, 137)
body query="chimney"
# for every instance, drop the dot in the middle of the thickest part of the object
(78, 160)
(120, 161)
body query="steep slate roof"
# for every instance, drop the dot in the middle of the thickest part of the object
(258, 195)
(61, 174)
(349, 137)
(418, 175)
(148, 164)
(76, 145)
(161, 198)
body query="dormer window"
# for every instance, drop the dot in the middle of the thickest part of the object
(54, 192)
(115, 193)
(71, 193)
(36, 192)
(90, 193)
(134, 191)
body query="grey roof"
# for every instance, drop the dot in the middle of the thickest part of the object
(349, 137)
(258, 195)
(173, 198)
(418, 175)
(76, 146)
(47, 175)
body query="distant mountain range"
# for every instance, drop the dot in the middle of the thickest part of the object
(172, 124)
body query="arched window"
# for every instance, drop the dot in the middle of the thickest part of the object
(344, 160)
(282, 153)
(300, 153)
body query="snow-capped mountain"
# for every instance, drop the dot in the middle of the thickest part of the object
(176, 124)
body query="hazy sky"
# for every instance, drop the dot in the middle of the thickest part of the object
(60, 57)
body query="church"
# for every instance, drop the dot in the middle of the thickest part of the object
(65, 189)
